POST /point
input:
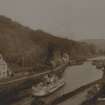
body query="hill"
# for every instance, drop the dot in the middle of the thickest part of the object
(98, 43)
(62, 44)
(15, 44)
(21, 45)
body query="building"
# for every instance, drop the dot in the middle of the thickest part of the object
(3, 68)
(65, 58)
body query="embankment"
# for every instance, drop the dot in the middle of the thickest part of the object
(73, 93)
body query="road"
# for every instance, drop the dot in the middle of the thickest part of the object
(26, 77)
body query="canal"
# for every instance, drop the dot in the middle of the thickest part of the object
(77, 76)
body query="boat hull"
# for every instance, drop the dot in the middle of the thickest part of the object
(49, 91)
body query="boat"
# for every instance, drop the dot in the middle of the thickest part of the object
(43, 89)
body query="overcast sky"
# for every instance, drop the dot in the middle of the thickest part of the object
(76, 19)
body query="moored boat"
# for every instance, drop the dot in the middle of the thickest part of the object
(43, 89)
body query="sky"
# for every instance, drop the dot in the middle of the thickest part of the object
(75, 19)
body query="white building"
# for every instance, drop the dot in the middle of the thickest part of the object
(65, 58)
(3, 68)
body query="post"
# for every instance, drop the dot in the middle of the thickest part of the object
(103, 77)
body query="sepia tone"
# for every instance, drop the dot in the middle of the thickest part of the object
(52, 52)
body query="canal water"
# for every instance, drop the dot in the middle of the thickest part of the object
(77, 76)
